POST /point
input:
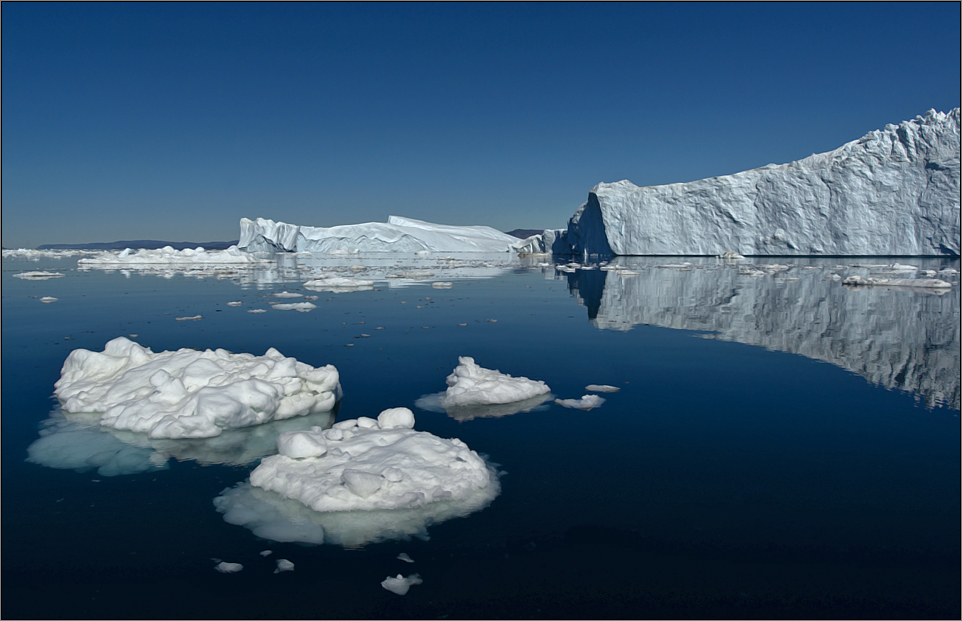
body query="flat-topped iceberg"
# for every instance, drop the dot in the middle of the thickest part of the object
(892, 192)
(189, 393)
(398, 234)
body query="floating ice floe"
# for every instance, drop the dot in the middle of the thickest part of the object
(38, 275)
(287, 294)
(168, 256)
(189, 393)
(442, 285)
(228, 568)
(283, 565)
(601, 388)
(234, 303)
(470, 384)
(921, 283)
(404, 557)
(194, 318)
(400, 584)
(337, 284)
(301, 307)
(586, 402)
(361, 481)
(47, 299)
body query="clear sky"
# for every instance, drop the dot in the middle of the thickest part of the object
(174, 120)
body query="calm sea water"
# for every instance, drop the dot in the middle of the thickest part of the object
(781, 446)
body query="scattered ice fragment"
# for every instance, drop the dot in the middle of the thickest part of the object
(302, 307)
(228, 568)
(400, 584)
(339, 284)
(585, 403)
(404, 557)
(189, 393)
(47, 299)
(266, 552)
(168, 256)
(194, 318)
(287, 294)
(442, 285)
(38, 275)
(601, 388)
(491, 320)
(234, 303)
(257, 310)
(470, 384)
(283, 565)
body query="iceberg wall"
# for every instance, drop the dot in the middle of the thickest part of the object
(397, 235)
(892, 192)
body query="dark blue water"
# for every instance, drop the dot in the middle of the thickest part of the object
(781, 446)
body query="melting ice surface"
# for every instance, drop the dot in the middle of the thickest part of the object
(189, 393)
(362, 480)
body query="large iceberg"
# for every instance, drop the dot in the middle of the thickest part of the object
(397, 235)
(892, 192)
(189, 393)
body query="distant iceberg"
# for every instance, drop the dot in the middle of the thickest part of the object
(397, 235)
(892, 192)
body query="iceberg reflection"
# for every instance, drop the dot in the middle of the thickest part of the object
(900, 338)
(79, 443)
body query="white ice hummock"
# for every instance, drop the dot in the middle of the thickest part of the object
(397, 235)
(366, 464)
(470, 385)
(892, 192)
(189, 393)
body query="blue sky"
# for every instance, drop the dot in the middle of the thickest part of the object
(174, 120)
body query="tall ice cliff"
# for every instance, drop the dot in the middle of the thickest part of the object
(894, 191)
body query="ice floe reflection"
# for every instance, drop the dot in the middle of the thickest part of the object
(432, 403)
(904, 338)
(270, 516)
(78, 442)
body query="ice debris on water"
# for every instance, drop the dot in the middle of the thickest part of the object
(586, 402)
(228, 568)
(601, 388)
(470, 384)
(283, 565)
(400, 584)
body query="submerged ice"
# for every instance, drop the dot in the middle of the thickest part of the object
(189, 393)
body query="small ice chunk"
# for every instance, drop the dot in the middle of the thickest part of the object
(283, 565)
(266, 552)
(601, 388)
(585, 403)
(234, 303)
(301, 307)
(396, 418)
(400, 584)
(38, 275)
(228, 568)
(257, 310)
(470, 384)
(442, 285)
(47, 299)
(287, 294)
(194, 318)
(404, 557)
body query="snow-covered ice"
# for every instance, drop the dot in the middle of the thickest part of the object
(399, 234)
(189, 393)
(168, 256)
(400, 584)
(470, 384)
(362, 480)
